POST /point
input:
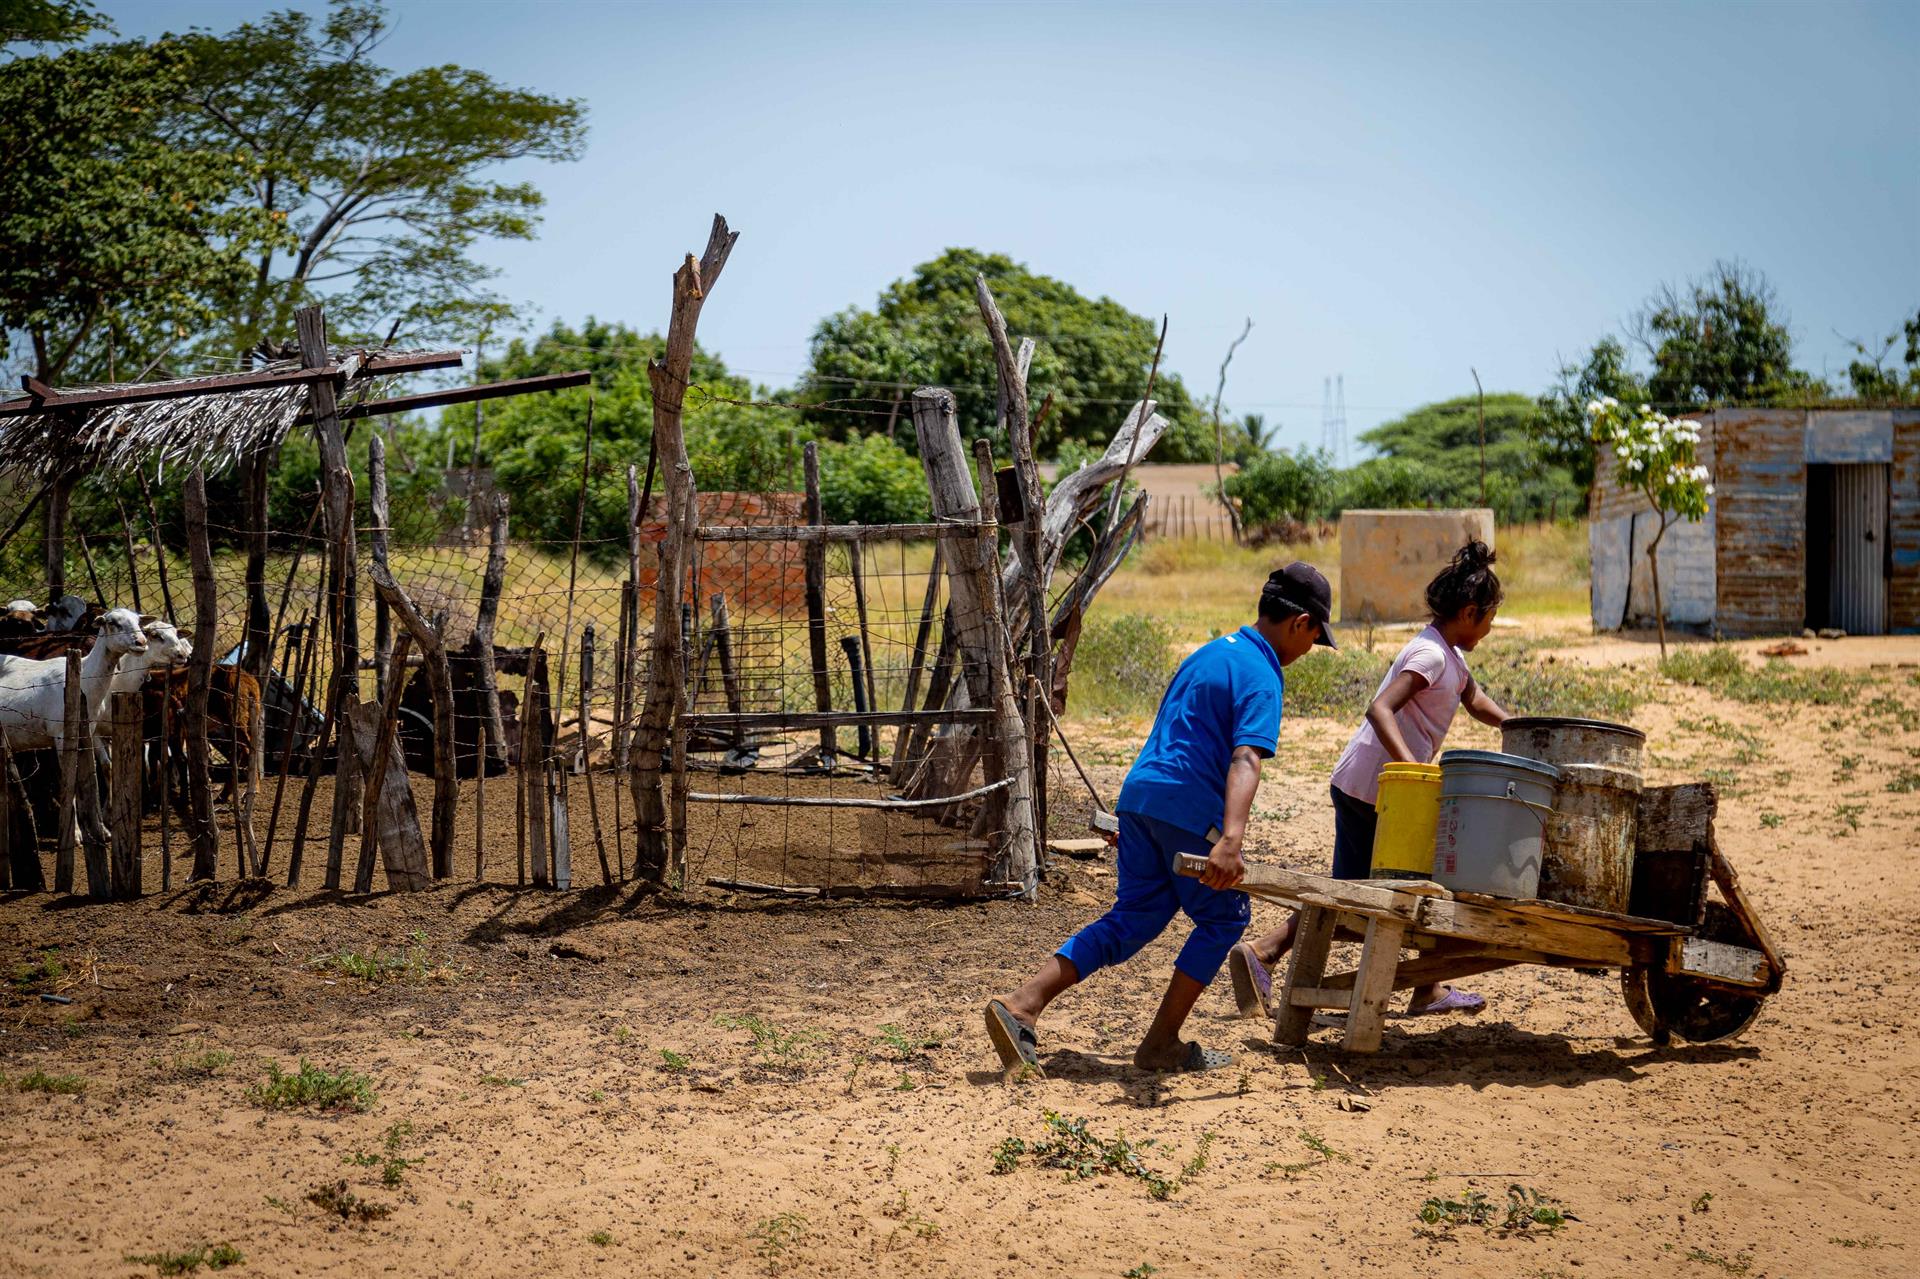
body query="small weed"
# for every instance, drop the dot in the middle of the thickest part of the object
(1772, 821)
(1905, 782)
(1864, 1241)
(1525, 1209)
(1738, 1264)
(776, 1237)
(673, 1063)
(1472, 1209)
(600, 1238)
(905, 1045)
(1748, 747)
(1323, 1154)
(393, 1168)
(204, 1064)
(1844, 767)
(492, 1080)
(1724, 672)
(56, 1085)
(621, 1034)
(893, 1160)
(275, 1201)
(1319, 1083)
(1244, 1085)
(311, 1086)
(1848, 815)
(1198, 1164)
(1887, 706)
(214, 1256)
(43, 973)
(776, 1047)
(377, 967)
(922, 1227)
(1703, 1201)
(336, 1200)
(1141, 1271)
(1071, 1145)
(597, 1096)
(906, 1083)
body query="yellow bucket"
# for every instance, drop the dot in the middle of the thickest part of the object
(1409, 816)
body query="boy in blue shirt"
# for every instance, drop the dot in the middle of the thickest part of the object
(1189, 791)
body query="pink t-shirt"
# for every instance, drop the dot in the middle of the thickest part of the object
(1423, 720)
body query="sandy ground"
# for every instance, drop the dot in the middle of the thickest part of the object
(574, 1087)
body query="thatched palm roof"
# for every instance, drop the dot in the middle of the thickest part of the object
(202, 423)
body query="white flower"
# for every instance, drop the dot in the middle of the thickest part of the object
(1595, 408)
(1610, 402)
(1636, 464)
(1699, 472)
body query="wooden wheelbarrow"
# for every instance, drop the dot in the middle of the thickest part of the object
(1688, 965)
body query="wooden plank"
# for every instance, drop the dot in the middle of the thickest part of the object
(379, 748)
(1501, 927)
(809, 534)
(916, 665)
(149, 393)
(446, 792)
(1675, 818)
(1277, 883)
(1742, 907)
(72, 751)
(1720, 962)
(205, 839)
(845, 801)
(1312, 938)
(1565, 912)
(125, 793)
(794, 721)
(1373, 987)
(461, 395)
(1338, 987)
(392, 821)
(493, 727)
(586, 764)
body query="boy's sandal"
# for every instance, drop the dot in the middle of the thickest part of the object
(1012, 1038)
(1200, 1058)
(1252, 983)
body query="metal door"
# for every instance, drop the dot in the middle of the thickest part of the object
(1857, 602)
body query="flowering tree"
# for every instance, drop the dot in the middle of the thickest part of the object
(1653, 455)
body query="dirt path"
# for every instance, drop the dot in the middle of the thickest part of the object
(574, 1083)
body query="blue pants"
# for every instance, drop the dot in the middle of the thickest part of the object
(1354, 821)
(1148, 895)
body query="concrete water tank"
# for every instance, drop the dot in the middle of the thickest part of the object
(1388, 557)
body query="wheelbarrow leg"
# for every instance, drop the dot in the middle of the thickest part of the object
(1312, 938)
(1373, 985)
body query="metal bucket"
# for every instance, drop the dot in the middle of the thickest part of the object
(1560, 741)
(1494, 811)
(1588, 860)
(1590, 837)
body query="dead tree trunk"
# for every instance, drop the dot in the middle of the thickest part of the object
(379, 510)
(336, 489)
(433, 655)
(982, 644)
(692, 284)
(206, 848)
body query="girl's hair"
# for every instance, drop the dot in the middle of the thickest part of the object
(1468, 581)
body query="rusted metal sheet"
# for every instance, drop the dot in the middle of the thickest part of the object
(1903, 523)
(1760, 481)
(1857, 583)
(1840, 437)
(1610, 555)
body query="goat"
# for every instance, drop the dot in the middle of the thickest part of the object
(232, 696)
(33, 705)
(167, 651)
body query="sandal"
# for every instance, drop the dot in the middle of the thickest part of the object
(1454, 1001)
(1252, 983)
(1012, 1038)
(1200, 1058)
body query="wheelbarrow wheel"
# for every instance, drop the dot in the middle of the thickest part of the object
(1633, 987)
(1667, 1004)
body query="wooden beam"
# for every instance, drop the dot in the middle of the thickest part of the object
(846, 801)
(149, 393)
(811, 533)
(801, 721)
(462, 395)
(206, 847)
(388, 363)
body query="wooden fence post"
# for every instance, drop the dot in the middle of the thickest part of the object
(533, 764)
(126, 794)
(971, 567)
(667, 376)
(72, 751)
(206, 839)
(493, 728)
(433, 655)
(814, 555)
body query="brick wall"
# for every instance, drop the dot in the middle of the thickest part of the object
(756, 577)
(1903, 520)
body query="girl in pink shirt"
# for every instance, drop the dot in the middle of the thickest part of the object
(1405, 723)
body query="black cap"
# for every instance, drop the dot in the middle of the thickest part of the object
(1306, 590)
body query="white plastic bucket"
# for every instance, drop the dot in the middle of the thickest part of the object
(1494, 811)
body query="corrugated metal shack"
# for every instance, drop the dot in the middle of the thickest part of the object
(1814, 521)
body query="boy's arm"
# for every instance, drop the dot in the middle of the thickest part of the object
(1225, 867)
(1381, 713)
(1482, 707)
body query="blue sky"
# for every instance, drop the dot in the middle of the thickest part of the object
(1392, 192)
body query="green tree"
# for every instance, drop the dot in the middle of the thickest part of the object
(1277, 488)
(1873, 380)
(1092, 355)
(115, 237)
(378, 176)
(48, 21)
(1443, 441)
(533, 443)
(1719, 340)
(1559, 427)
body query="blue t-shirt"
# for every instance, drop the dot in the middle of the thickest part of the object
(1224, 696)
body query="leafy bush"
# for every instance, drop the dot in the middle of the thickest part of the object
(1277, 487)
(312, 1086)
(872, 480)
(1337, 683)
(1122, 664)
(1388, 484)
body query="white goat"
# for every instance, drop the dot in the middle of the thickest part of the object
(33, 693)
(167, 649)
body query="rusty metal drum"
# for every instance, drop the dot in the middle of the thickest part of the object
(1556, 740)
(1587, 859)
